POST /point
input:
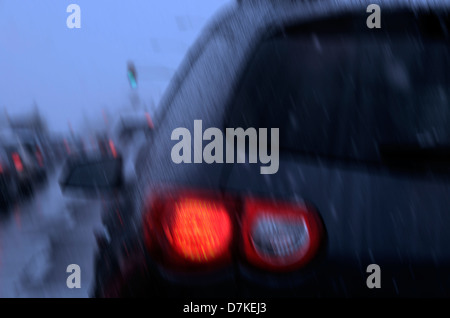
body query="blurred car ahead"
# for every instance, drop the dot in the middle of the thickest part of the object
(34, 147)
(125, 137)
(364, 169)
(9, 187)
(106, 145)
(128, 134)
(25, 169)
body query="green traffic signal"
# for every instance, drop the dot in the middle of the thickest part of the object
(132, 75)
(132, 79)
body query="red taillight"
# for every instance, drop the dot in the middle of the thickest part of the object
(279, 236)
(149, 120)
(194, 228)
(17, 162)
(190, 229)
(113, 148)
(199, 230)
(66, 145)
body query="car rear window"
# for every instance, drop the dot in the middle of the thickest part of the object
(342, 90)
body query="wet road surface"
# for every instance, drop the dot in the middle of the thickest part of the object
(40, 236)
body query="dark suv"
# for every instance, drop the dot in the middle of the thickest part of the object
(363, 172)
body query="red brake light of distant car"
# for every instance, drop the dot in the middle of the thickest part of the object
(190, 228)
(279, 236)
(17, 162)
(149, 120)
(113, 148)
(66, 145)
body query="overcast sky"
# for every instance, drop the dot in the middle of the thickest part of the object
(75, 73)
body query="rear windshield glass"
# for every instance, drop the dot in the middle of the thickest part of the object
(344, 92)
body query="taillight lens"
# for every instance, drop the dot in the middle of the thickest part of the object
(17, 162)
(190, 228)
(66, 145)
(112, 147)
(279, 236)
(199, 230)
(149, 120)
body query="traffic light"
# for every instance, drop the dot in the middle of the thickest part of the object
(132, 77)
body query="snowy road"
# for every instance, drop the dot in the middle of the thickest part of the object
(40, 237)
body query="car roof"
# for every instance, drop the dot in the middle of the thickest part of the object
(331, 5)
(244, 21)
(225, 45)
(286, 11)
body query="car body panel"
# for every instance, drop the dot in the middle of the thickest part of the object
(371, 214)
